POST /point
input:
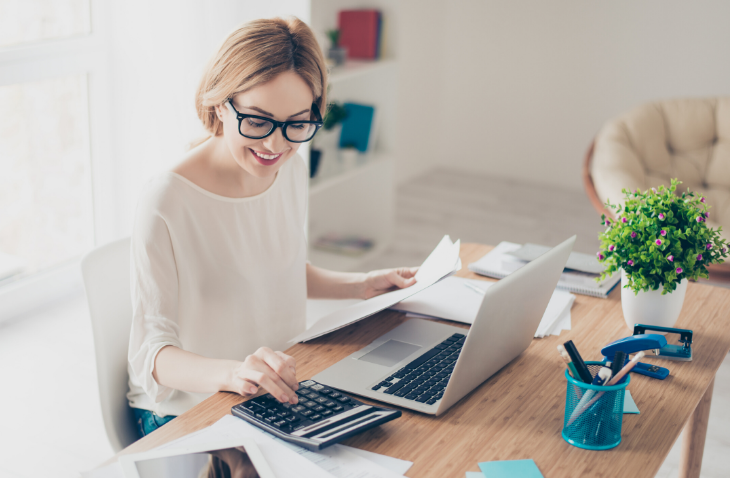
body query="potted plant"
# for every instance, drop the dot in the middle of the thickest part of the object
(659, 240)
(336, 53)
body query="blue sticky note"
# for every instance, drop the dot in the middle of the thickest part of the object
(630, 404)
(510, 469)
(474, 474)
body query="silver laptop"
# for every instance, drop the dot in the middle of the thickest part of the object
(428, 366)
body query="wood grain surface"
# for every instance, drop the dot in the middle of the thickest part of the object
(518, 412)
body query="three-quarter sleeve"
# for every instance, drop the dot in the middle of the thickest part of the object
(154, 286)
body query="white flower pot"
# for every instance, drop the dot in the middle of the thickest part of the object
(651, 307)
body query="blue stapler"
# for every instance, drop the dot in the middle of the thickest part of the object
(636, 343)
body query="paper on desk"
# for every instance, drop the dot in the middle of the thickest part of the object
(288, 460)
(453, 299)
(510, 469)
(444, 260)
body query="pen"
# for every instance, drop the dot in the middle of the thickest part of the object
(566, 359)
(614, 380)
(627, 368)
(619, 359)
(476, 289)
(580, 366)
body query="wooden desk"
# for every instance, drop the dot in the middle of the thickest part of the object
(518, 413)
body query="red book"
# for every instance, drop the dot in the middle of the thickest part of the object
(359, 33)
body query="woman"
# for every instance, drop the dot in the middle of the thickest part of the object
(219, 272)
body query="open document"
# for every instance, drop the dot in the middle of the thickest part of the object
(459, 299)
(443, 261)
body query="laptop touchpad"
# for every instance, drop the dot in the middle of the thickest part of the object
(390, 353)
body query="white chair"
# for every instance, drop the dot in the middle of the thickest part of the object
(106, 279)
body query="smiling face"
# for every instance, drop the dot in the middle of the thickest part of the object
(285, 98)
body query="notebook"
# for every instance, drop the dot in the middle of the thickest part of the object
(501, 262)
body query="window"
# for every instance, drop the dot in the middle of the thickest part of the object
(51, 79)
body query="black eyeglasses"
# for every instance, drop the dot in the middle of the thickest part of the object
(259, 127)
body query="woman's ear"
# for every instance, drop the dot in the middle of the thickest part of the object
(220, 111)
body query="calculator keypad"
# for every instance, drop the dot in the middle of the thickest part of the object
(316, 402)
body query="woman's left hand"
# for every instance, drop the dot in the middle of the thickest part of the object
(386, 280)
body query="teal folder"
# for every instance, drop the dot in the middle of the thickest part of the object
(356, 126)
(510, 469)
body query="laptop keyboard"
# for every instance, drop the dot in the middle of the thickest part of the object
(424, 379)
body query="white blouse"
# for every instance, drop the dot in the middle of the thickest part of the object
(216, 276)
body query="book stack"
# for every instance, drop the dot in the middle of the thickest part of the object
(360, 33)
(580, 274)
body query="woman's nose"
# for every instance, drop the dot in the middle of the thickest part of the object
(276, 141)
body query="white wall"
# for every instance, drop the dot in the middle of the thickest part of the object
(527, 83)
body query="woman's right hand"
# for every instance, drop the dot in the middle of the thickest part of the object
(274, 371)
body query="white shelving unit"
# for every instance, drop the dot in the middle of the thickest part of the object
(357, 201)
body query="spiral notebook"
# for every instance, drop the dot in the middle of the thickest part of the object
(500, 263)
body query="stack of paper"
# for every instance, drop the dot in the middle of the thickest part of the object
(458, 299)
(503, 260)
(443, 261)
(285, 459)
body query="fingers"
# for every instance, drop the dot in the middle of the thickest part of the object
(274, 371)
(396, 278)
(408, 272)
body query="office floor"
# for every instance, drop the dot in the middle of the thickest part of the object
(50, 419)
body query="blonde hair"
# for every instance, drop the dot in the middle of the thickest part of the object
(253, 54)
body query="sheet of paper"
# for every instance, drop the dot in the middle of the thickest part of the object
(510, 469)
(283, 462)
(112, 470)
(338, 461)
(443, 261)
(454, 298)
(395, 465)
(630, 404)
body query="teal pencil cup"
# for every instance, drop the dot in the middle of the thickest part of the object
(593, 414)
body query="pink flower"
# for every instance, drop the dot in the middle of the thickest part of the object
(699, 219)
(631, 263)
(707, 214)
(663, 232)
(661, 216)
(600, 256)
(670, 258)
(702, 199)
(624, 220)
(679, 270)
(658, 242)
(653, 190)
(699, 257)
(709, 246)
(633, 234)
(611, 247)
(608, 222)
(724, 250)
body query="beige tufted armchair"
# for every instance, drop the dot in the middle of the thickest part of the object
(688, 139)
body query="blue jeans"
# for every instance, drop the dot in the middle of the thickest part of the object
(148, 421)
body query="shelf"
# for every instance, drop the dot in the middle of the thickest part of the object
(318, 185)
(357, 68)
